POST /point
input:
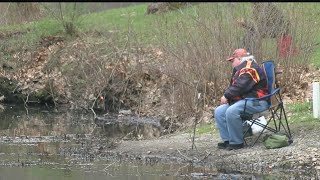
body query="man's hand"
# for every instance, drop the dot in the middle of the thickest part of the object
(223, 100)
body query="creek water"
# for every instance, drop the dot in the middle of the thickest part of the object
(42, 144)
(37, 143)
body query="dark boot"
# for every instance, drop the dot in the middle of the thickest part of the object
(223, 145)
(235, 146)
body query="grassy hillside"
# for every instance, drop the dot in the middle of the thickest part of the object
(132, 21)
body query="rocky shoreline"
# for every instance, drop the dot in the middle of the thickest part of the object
(299, 160)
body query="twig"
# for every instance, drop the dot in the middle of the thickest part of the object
(74, 11)
(186, 157)
(172, 105)
(25, 103)
(205, 157)
(139, 110)
(110, 76)
(4, 17)
(176, 174)
(196, 119)
(61, 13)
(52, 94)
(94, 114)
(52, 13)
(131, 132)
(106, 168)
(13, 91)
(1, 98)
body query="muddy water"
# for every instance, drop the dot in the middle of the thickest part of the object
(38, 143)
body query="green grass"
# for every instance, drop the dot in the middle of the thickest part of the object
(132, 22)
(47, 27)
(300, 117)
(119, 18)
(302, 107)
(204, 128)
(316, 55)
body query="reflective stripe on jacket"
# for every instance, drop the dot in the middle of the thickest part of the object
(248, 80)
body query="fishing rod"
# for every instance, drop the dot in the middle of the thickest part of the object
(198, 95)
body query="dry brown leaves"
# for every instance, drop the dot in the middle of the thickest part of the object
(302, 91)
(32, 77)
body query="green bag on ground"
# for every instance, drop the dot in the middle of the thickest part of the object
(275, 141)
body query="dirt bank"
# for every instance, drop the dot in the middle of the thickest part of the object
(300, 159)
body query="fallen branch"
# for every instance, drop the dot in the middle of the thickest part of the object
(177, 172)
(205, 157)
(1, 107)
(1, 98)
(25, 103)
(106, 168)
(186, 157)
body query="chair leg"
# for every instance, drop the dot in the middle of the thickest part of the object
(245, 133)
(276, 116)
(287, 128)
(281, 116)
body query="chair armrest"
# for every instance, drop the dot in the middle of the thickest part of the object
(264, 97)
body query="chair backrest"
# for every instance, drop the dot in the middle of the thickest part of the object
(269, 68)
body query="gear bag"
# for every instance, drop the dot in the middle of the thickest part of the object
(275, 141)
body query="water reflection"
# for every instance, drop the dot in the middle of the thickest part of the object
(40, 173)
(45, 144)
(16, 121)
(115, 171)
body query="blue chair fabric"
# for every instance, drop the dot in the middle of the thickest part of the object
(277, 121)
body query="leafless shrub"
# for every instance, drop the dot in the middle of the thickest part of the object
(198, 49)
(199, 44)
(66, 13)
(298, 57)
(104, 73)
(87, 73)
(19, 12)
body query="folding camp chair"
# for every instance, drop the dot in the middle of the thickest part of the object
(277, 121)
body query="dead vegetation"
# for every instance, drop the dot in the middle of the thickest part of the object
(163, 7)
(179, 80)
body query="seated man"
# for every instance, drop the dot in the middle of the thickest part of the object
(248, 81)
